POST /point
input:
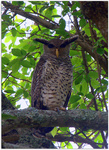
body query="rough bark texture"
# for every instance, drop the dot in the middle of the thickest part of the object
(37, 19)
(98, 13)
(6, 103)
(21, 137)
(31, 117)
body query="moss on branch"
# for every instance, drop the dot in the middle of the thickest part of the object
(79, 118)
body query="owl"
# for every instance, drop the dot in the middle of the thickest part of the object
(52, 77)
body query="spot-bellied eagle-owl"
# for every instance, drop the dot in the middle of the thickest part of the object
(52, 77)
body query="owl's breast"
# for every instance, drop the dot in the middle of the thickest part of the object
(57, 82)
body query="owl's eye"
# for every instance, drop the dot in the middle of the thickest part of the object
(51, 45)
(63, 45)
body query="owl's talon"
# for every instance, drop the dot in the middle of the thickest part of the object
(62, 108)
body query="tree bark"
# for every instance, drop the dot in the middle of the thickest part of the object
(31, 117)
(98, 13)
(36, 19)
(21, 137)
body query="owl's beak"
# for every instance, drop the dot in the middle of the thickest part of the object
(57, 52)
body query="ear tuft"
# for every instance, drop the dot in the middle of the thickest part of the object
(69, 40)
(43, 41)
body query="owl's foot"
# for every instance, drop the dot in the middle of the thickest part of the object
(60, 108)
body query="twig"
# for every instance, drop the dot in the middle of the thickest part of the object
(10, 74)
(87, 71)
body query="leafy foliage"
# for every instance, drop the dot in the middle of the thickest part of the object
(20, 55)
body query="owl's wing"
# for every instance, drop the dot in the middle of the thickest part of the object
(42, 73)
(67, 99)
(36, 84)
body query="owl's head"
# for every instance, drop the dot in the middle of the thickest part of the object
(57, 47)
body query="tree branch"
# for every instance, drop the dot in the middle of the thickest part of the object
(98, 13)
(36, 19)
(6, 104)
(31, 117)
(73, 138)
(14, 146)
(88, 48)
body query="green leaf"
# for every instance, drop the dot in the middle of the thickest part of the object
(4, 74)
(48, 12)
(8, 37)
(75, 105)
(105, 82)
(84, 87)
(100, 51)
(6, 116)
(28, 8)
(78, 80)
(31, 48)
(77, 13)
(32, 61)
(87, 29)
(23, 52)
(17, 3)
(64, 129)
(89, 96)
(25, 94)
(3, 48)
(93, 74)
(82, 22)
(75, 5)
(65, 11)
(15, 66)
(19, 92)
(43, 8)
(95, 84)
(62, 24)
(10, 45)
(9, 91)
(26, 64)
(54, 132)
(14, 32)
(16, 52)
(61, 32)
(5, 60)
(88, 57)
(74, 98)
(82, 106)
(69, 146)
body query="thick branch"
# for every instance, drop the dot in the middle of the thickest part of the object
(103, 62)
(13, 146)
(73, 138)
(98, 13)
(36, 19)
(6, 103)
(31, 117)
